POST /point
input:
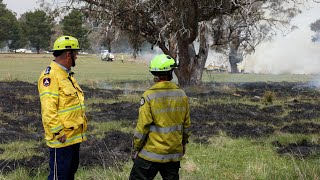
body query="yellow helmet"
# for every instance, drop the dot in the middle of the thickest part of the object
(65, 43)
(162, 63)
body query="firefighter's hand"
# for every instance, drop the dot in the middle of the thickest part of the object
(62, 139)
(183, 149)
(134, 155)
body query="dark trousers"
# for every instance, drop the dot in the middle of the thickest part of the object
(146, 170)
(64, 162)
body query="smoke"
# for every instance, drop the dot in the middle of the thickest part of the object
(294, 53)
(147, 54)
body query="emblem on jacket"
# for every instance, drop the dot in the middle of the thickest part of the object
(142, 101)
(46, 82)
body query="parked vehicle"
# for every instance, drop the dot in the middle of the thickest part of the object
(106, 55)
(21, 50)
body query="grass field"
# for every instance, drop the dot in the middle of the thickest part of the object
(91, 70)
(222, 156)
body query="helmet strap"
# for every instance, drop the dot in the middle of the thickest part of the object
(72, 59)
(170, 76)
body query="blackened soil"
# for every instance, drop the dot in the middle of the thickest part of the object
(31, 163)
(113, 149)
(299, 149)
(302, 128)
(115, 111)
(20, 119)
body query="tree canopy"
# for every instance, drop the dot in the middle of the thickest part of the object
(38, 26)
(73, 25)
(176, 25)
(10, 32)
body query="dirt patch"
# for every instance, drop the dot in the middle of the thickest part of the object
(299, 149)
(302, 128)
(281, 89)
(245, 130)
(303, 110)
(31, 163)
(24, 127)
(113, 149)
(275, 110)
(115, 111)
(101, 93)
(201, 131)
(19, 98)
(231, 112)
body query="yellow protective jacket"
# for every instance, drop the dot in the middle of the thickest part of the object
(163, 123)
(62, 107)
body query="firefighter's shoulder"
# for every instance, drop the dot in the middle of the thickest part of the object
(47, 71)
(47, 78)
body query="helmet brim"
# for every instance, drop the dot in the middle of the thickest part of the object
(76, 49)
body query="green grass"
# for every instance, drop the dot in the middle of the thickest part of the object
(22, 173)
(92, 71)
(27, 67)
(226, 158)
(99, 128)
(223, 158)
(226, 77)
(13, 150)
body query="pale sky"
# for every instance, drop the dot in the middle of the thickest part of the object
(21, 6)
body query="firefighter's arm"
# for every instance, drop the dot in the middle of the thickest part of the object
(142, 128)
(186, 125)
(49, 94)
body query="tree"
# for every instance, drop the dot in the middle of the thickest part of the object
(315, 26)
(73, 25)
(17, 39)
(239, 33)
(38, 26)
(172, 25)
(10, 32)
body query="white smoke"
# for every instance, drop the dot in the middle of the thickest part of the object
(294, 53)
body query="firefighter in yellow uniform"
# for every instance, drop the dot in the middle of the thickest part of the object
(162, 130)
(63, 110)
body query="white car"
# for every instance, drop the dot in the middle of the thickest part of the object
(106, 56)
(21, 50)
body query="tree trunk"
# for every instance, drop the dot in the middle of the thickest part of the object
(233, 60)
(191, 65)
(234, 56)
(109, 44)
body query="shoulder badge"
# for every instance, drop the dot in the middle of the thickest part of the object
(142, 101)
(47, 70)
(46, 82)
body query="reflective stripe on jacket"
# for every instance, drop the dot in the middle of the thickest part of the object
(62, 107)
(163, 123)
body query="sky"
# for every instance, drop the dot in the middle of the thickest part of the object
(21, 6)
(294, 53)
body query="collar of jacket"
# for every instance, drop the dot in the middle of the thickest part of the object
(165, 85)
(58, 68)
